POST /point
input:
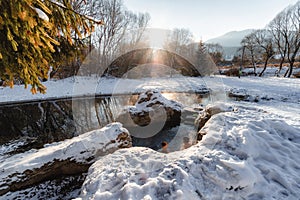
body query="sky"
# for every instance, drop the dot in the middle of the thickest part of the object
(208, 19)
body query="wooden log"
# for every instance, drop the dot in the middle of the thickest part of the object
(70, 157)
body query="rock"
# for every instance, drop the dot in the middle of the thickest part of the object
(201, 120)
(151, 115)
(208, 112)
(48, 121)
(297, 74)
(70, 157)
(231, 72)
(188, 115)
(238, 94)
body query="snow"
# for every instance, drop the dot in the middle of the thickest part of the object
(249, 152)
(145, 105)
(41, 14)
(78, 148)
(271, 71)
(245, 154)
(92, 85)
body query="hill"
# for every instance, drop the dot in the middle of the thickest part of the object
(230, 42)
(230, 39)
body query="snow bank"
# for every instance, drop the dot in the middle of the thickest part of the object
(241, 157)
(218, 107)
(272, 88)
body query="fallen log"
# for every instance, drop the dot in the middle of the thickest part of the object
(69, 157)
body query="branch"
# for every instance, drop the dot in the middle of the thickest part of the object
(99, 22)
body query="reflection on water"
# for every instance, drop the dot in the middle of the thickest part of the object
(108, 108)
(70, 117)
(96, 113)
(187, 99)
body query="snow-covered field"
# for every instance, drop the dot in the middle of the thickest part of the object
(86, 86)
(250, 153)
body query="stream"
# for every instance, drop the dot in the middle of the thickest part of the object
(32, 125)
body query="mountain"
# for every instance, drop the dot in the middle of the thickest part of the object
(230, 39)
(230, 42)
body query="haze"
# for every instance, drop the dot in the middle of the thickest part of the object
(209, 19)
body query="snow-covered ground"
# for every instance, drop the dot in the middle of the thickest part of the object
(250, 153)
(92, 85)
(271, 71)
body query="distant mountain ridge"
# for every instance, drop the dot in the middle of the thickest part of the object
(230, 42)
(230, 39)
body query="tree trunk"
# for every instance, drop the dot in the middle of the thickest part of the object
(280, 66)
(290, 70)
(253, 63)
(265, 67)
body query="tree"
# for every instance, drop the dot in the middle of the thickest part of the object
(116, 35)
(215, 50)
(285, 28)
(248, 44)
(134, 37)
(178, 41)
(278, 29)
(203, 60)
(292, 36)
(264, 41)
(31, 32)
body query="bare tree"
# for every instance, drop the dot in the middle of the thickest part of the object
(264, 41)
(178, 41)
(108, 41)
(281, 36)
(278, 29)
(108, 37)
(249, 46)
(292, 36)
(285, 28)
(135, 37)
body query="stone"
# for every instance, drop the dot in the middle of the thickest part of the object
(148, 119)
(48, 121)
(206, 114)
(238, 94)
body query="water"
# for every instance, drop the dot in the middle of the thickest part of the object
(108, 109)
(57, 120)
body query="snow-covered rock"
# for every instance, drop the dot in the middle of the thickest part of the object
(69, 157)
(238, 93)
(243, 157)
(151, 114)
(207, 113)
